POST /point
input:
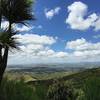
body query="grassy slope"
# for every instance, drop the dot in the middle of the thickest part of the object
(77, 79)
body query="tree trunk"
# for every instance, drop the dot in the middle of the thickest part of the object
(0, 20)
(4, 57)
(0, 62)
(3, 64)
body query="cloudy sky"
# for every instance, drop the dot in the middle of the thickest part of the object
(64, 31)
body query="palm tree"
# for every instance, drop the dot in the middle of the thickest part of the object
(14, 11)
(6, 42)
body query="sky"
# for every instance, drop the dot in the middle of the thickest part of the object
(64, 31)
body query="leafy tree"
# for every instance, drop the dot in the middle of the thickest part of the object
(15, 12)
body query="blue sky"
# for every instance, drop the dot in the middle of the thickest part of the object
(57, 26)
(71, 26)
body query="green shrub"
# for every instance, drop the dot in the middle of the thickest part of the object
(61, 91)
(79, 94)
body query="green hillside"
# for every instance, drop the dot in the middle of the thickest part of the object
(40, 86)
(76, 77)
(79, 78)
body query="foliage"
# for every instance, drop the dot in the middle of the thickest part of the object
(17, 11)
(12, 90)
(61, 91)
(19, 90)
(10, 42)
(92, 89)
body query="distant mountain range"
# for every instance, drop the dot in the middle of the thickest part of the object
(53, 67)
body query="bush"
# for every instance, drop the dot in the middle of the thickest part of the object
(61, 91)
(12, 90)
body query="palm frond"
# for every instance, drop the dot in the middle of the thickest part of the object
(17, 11)
(9, 41)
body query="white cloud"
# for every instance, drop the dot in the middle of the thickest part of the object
(51, 13)
(4, 24)
(46, 53)
(20, 28)
(38, 27)
(61, 54)
(78, 18)
(56, 10)
(35, 39)
(52, 54)
(40, 51)
(84, 50)
(76, 44)
(87, 53)
(82, 45)
(23, 28)
(36, 48)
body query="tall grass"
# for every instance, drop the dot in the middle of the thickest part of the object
(12, 90)
(19, 90)
(92, 89)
